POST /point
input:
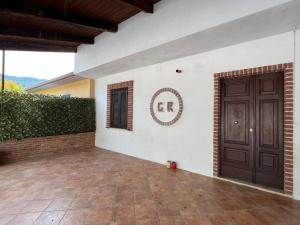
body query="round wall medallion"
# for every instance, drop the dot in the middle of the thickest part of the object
(166, 106)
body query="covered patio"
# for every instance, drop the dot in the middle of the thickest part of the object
(164, 73)
(97, 186)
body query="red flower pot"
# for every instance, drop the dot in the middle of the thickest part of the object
(173, 165)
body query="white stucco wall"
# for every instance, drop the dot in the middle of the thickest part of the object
(190, 140)
(297, 119)
(174, 19)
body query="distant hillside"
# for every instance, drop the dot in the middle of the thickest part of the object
(26, 82)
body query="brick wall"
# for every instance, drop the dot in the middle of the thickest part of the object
(287, 68)
(41, 146)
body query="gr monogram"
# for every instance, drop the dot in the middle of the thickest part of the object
(161, 106)
(166, 111)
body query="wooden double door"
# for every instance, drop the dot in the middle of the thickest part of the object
(252, 129)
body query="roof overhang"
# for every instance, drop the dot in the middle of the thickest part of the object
(58, 81)
(279, 19)
(62, 25)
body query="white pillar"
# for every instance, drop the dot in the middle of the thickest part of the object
(297, 118)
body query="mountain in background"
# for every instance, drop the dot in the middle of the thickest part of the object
(26, 82)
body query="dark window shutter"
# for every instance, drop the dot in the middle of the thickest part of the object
(119, 107)
(115, 109)
(123, 109)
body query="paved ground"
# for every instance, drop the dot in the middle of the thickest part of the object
(101, 188)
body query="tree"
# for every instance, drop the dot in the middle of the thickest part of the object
(12, 86)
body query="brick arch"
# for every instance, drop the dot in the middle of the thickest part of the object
(287, 68)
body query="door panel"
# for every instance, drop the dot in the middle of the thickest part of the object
(252, 129)
(236, 122)
(236, 88)
(237, 101)
(268, 123)
(236, 156)
(269, 130)
(267, 85)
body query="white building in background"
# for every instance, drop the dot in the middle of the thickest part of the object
(182, 46)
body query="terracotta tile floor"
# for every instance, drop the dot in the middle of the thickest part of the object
(101, 188)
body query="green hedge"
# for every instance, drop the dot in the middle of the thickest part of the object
(26, 115)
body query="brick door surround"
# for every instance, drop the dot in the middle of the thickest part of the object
(287, 68)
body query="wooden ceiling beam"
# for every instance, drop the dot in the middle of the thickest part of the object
(23, 46)
(42, 35)
(143, 5)
(58, 18)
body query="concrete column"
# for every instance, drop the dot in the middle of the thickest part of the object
(297, 118)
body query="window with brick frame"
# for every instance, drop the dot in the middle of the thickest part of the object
(120, 105)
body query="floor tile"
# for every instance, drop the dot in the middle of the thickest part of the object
(12, 207)
(36, 206)
(50, 218)
(4, 219)
(99, 187)
(171, 220)
(24, 219)
(243, 217)
(124, 215)
(87, 216)
(197, 220)
(59, 204)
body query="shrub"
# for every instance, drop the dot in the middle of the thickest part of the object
(27, 115)
(10, 85)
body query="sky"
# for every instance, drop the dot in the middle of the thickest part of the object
(42, 65)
